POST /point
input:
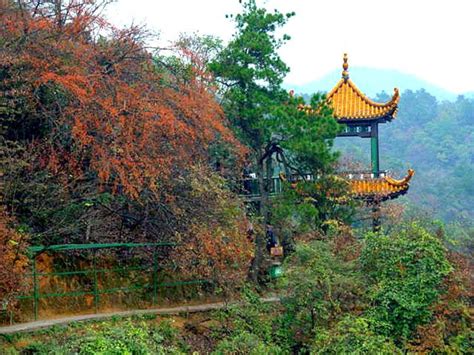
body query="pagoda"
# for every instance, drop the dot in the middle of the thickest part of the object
(361, 117)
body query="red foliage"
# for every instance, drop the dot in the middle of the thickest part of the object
(95, 110)
(113, 111)
(216, 244)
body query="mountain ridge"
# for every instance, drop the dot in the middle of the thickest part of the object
(372, 81)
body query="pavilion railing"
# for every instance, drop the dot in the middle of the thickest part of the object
(361, 174)
(153, 270)
(249, 186)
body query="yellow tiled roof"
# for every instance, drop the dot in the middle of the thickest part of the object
(383, 188)
(349, 103)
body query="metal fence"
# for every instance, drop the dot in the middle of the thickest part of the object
(96, 291)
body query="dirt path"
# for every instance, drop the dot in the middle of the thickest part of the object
(31, 326)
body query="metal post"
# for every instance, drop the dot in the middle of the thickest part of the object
(96, 289)
(374, 149)
(35, 288)
(376, 217)
(155, 276)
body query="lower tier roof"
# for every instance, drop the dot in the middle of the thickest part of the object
(380, 189)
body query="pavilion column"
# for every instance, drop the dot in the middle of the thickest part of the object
(376, 223)
(374, 149)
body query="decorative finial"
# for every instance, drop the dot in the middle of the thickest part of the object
(345, 67)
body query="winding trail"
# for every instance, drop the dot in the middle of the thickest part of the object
(41, 324)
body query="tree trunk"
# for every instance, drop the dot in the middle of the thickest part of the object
(260, 242)
(58, 13)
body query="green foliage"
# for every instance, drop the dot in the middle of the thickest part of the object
(319, 287)
(126, 339)
(405, 272)
(306, 135)
(246, 343)
(461, 343)
(269, 122)
(252, 72)
(41, 348)
(262, 114)
(250, 327)
(398, 294)
(251, 316)
(291, 211)
(116, 337)
(352, 335)
(460, 237)
(400, 288)
(310, 205)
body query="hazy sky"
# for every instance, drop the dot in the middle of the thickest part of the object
(432, 39)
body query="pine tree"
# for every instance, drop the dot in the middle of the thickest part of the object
(263, 115)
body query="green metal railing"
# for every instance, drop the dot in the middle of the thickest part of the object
(96, 291)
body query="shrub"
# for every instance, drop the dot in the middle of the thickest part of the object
(128, 338)
(246, 343)
(352, 335)
(251, 316)
(405, 273)
(320, 287)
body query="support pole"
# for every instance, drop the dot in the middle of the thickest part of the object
(374, 149)
(155, 276)
(376, 217)
(96, 287)
(35, 289)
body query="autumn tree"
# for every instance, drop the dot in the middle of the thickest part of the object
(101, 98)
(101, 136)
(215, 243)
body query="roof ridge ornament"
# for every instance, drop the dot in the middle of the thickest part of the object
(345, 67)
